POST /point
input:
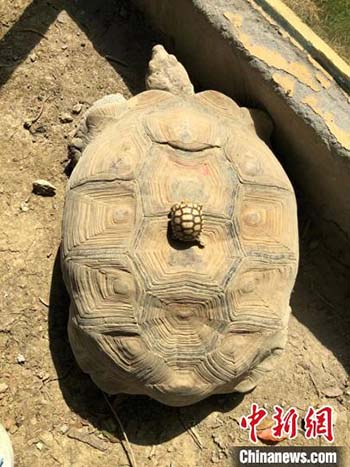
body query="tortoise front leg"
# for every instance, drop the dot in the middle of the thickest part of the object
(104, 111)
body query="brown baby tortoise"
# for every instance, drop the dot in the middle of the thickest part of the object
(187, 221)
(152, 312)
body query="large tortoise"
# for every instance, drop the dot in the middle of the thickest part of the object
(173, 316)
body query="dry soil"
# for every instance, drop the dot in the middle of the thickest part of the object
(56, 58)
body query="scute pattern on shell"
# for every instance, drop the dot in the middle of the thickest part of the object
(178, 324)
(186, 221)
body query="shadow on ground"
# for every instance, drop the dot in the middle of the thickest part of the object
(321, 296)
(116, 30)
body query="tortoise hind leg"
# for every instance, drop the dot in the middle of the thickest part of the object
(105, 110)
(260, 122)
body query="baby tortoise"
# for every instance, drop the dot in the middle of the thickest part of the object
(187, 222)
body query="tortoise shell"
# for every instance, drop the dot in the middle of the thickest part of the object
(169, 319)
(186, 221)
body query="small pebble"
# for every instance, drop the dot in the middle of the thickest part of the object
(77, 108)
(63, 429)
(33, 57)
(39, 445)
(20, 359)
(3, 387)
(40, 129)
(24, 207)
(47, 438)
(64, 46)
(42, 374)
(66, 118)
(43, 188)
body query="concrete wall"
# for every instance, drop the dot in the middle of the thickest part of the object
(235, 47)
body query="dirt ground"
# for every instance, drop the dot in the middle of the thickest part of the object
(53, 56)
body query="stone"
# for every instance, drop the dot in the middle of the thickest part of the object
(42, 129)
(43, 188)
(20, 359)
(24, 207)
(66, 118)
(3, 387)
(77, 108)
(47, 438)
(86, 438)
(63, 429)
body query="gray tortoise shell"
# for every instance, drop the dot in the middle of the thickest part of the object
(150, 317)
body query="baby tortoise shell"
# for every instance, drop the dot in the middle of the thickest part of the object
(186, 221)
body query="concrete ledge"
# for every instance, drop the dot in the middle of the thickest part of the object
(234, 46)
